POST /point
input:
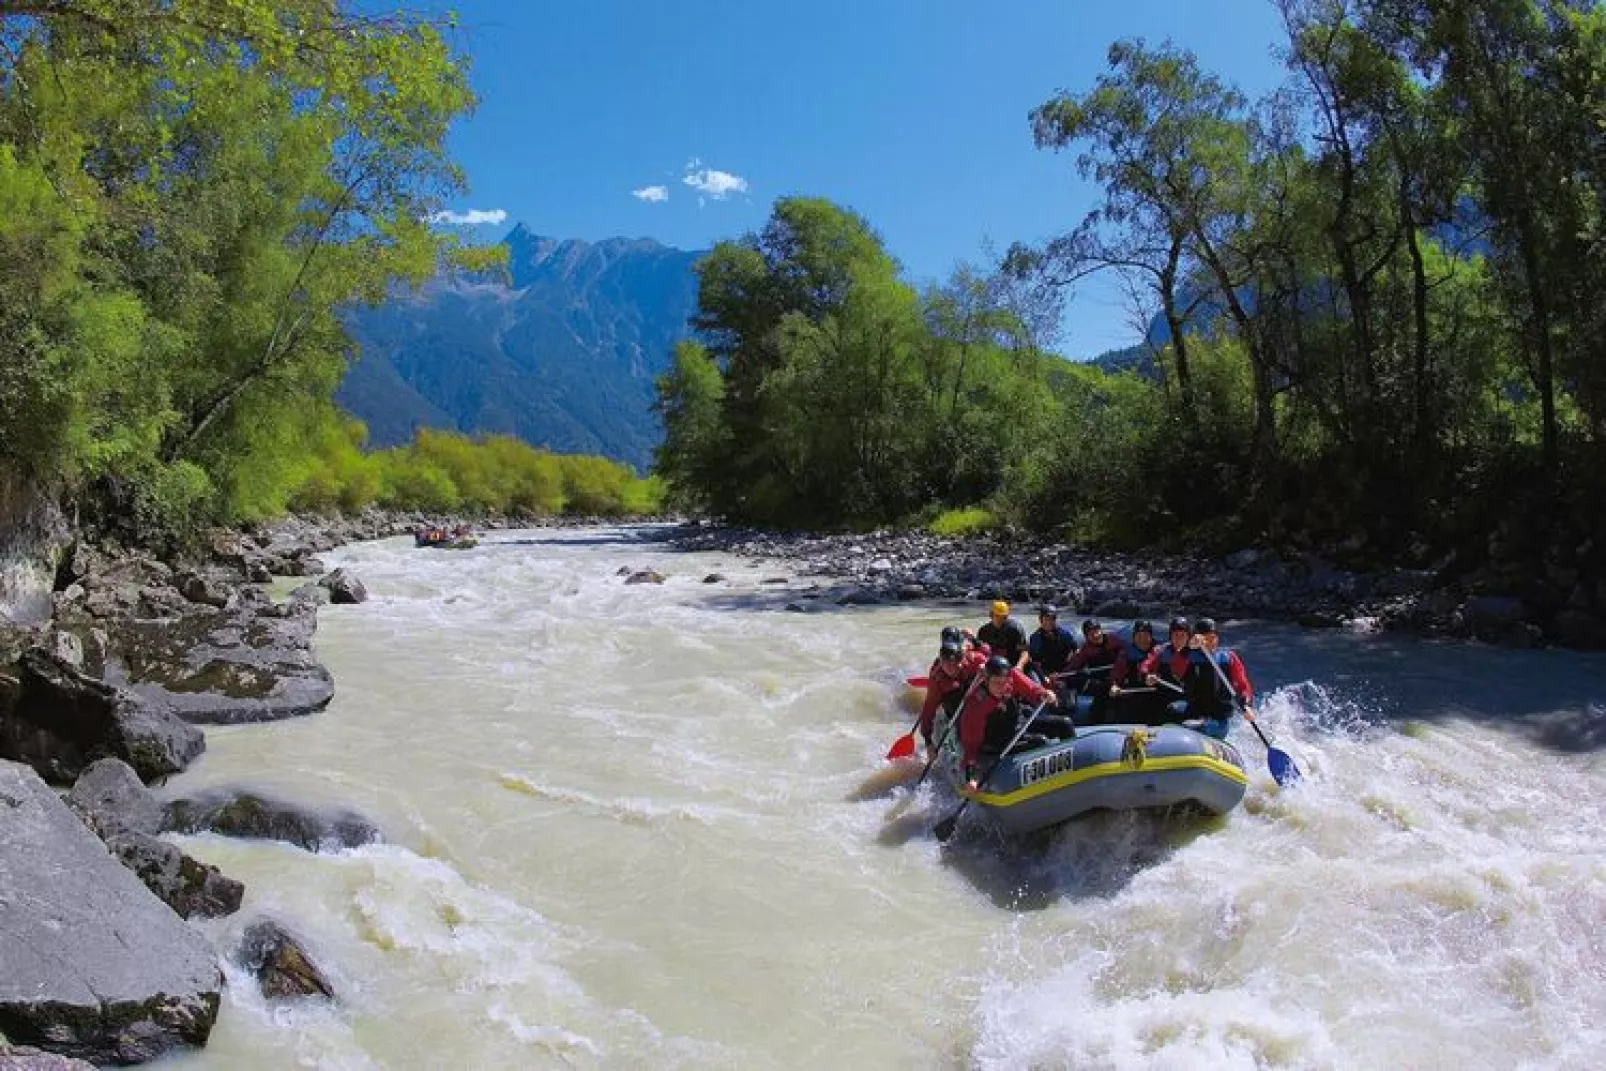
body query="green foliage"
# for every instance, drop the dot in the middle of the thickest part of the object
(189, 191)
(962, 522)
(828, 392)
(442, 472)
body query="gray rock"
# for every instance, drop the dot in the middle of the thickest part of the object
(64, 720)
(280, 962)
(645, 576)
(252, 816)
(314, 593)
(67, 649)
(186, 885)
(344, 589)
(714, 578)
(857, 596)
(23, 1058)
(111, 799)
(213, 667)
(204, 590)
(95, 966)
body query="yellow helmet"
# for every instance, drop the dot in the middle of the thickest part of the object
(1000, 608)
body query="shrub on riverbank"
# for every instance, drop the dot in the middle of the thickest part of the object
(962, 522)
(443, 472)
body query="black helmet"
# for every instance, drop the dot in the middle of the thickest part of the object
(1141, 625)
(1047, 610)
(1090, 625)
(1204, 626)
(998, 666)
(951, 634)
(950, 652)
(1180, 623)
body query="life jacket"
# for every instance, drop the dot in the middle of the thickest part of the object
(1128, 664)
(1207, 691)
(1050, 649)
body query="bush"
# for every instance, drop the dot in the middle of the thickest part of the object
(963, 522)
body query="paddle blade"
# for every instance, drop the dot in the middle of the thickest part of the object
(945, 828)
(918, 682)
(902, 747)
(1282, 766)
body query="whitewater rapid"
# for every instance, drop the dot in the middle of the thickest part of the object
(649, 826)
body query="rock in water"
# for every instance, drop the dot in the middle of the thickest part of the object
(91, 964)
(63, 720)
(232, 813)
(26, 1059)
(280, 963)
(126, 815)
(344, 589)
(645, 576)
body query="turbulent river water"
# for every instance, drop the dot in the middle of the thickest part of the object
(650, 826)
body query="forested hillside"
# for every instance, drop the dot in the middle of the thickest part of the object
(1399, 258)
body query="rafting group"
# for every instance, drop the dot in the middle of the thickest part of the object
(1135, 723)
(442, 538)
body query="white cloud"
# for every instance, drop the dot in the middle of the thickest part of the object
(472, 218)
(716, 184)
(651, 194)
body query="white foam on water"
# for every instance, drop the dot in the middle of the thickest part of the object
(650, 825)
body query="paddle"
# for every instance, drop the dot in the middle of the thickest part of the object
(904, 746)
(943, 739)
(945, 828)
(1283, 770)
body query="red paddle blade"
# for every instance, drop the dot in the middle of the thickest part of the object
(903, 747)
(918, 682)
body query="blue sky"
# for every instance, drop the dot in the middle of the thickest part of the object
(913, 112)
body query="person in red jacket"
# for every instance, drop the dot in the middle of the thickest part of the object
(991, 713)
(951, 673)
(1170, 663)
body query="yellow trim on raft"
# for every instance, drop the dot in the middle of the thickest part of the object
(1108, 769)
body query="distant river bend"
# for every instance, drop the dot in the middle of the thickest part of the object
(649, 826)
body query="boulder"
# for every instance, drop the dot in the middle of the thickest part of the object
(188, 886)
(24, 1058)
(248, 815)
(280, 962)
(214, 667)
(64, 720)
(645, 576)
(95, 967)
(111, 799)
(713, 578)
(314, 593)
(344, 589)
(204, 590)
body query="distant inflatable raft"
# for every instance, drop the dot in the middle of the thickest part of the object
(1107, 767)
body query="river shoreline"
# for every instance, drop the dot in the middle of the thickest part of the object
(1308, 589)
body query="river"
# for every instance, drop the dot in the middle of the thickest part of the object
(650, 826)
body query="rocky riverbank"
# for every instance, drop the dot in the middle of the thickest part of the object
(112, 660)
(1309, 589)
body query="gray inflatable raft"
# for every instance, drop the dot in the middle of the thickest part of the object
(1107, 767)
